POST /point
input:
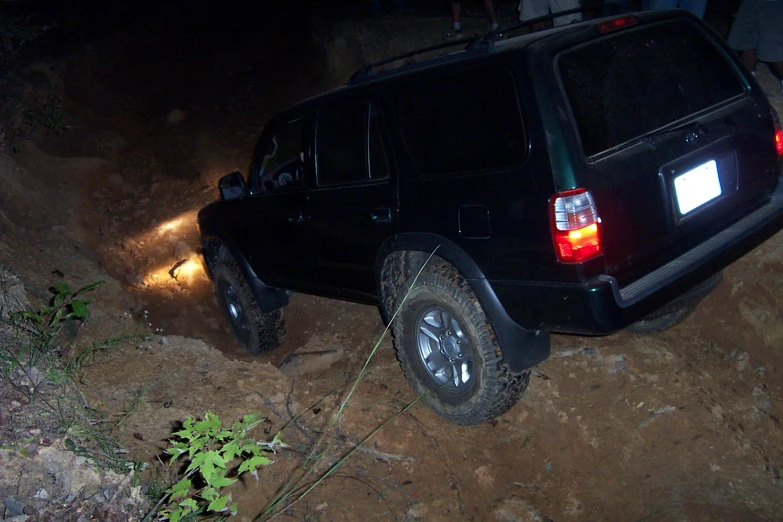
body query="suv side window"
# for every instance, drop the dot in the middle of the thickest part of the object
(341, 144)
(465, 121)
(282, 164)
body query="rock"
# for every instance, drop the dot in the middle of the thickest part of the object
(36, 376)
(515, 510)
(589, 351)
(484, 476)
(13, 297)
(301, 361)
(14, 507)
(175, 116)
(664, 410)
(42, 494)
(417, 512)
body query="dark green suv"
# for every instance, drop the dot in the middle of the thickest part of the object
(586, 179)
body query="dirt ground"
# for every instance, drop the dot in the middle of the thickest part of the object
(682, 425)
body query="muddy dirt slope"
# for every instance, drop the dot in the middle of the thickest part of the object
(682, 425)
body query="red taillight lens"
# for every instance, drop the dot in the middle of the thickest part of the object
(617, 23)
(778, 133)
(575, 231)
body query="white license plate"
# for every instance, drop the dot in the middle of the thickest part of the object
(697, 186)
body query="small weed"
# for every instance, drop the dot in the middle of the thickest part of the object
(41, 352)
(141, 394)
(80, 358)
(155, 490)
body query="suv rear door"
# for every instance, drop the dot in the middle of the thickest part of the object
(651, 103)
(353, 208)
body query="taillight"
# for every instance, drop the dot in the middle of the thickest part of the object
(778, 133)
(575, 226)
(617, 23)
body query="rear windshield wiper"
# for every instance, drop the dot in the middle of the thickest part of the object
(696, 127)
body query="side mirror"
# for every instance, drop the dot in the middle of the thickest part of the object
(232, 186)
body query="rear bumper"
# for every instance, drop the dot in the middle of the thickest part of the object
(601, 306)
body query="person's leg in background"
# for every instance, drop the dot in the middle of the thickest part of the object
(770, 47)
(489, 6)
(745, 32)
(456, 14)
(757, 35)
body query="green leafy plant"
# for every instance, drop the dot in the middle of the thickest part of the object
(44, 326)
(37, 335)
(210, 449)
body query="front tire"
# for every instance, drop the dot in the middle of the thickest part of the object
(258, 331)
(449, 353)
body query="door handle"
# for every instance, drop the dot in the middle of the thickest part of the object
(381, 215)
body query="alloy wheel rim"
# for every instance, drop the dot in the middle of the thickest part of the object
(234, 308)
(444, 349)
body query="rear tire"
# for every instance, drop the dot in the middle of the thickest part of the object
(449, 353)
(258, 331)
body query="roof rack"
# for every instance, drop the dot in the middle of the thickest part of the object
(479, 44)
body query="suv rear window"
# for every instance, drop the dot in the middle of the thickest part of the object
(628, 84)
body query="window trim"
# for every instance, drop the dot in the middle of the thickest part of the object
(258, 184)
(368, 109)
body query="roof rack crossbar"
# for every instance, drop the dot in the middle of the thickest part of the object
(552, 16)
(482, 42)
(368, 69)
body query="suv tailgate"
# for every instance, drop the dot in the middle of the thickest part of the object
(677, 146)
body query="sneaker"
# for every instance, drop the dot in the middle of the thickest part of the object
(454, 34)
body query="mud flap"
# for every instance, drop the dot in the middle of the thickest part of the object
(522, 348)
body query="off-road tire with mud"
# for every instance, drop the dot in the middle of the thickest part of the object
(492, 388)
(258, 331)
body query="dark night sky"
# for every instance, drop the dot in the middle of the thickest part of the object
(103, 15)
